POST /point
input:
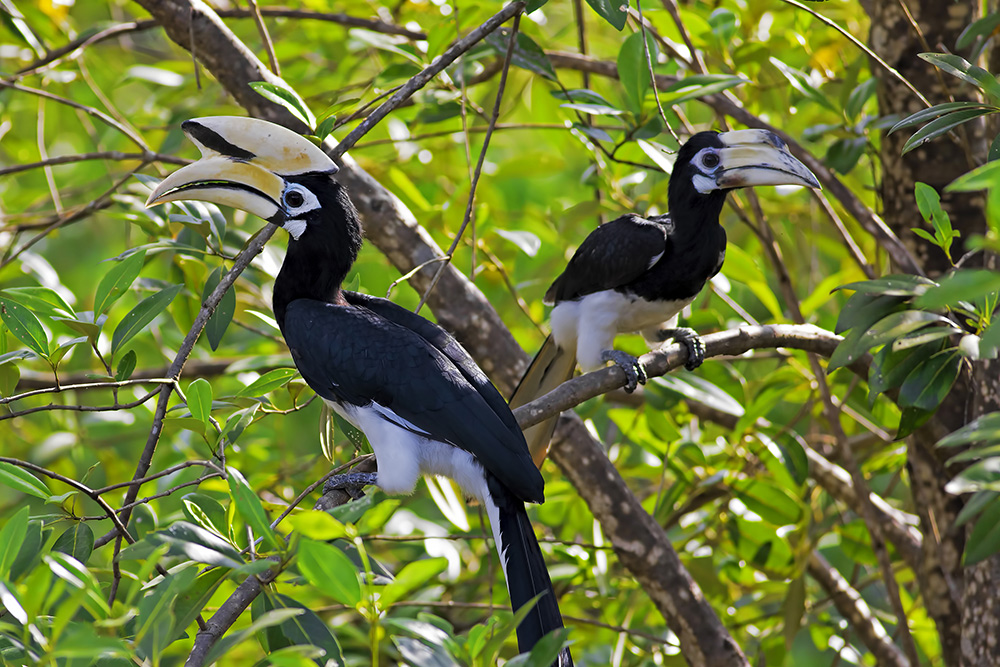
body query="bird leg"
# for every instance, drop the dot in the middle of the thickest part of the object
(351, 483)
(689, 339)
(634, 372)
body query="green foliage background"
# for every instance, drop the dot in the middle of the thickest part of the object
(716, 456)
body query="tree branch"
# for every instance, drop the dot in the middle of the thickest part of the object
(850, 605)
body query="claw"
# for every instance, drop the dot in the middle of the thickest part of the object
(635, 374)
(689, 339)
(351, 483)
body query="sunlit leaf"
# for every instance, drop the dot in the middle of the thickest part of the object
(117, 280)
(287, 98)
(25, 326)
(141, 316)
(327, 568)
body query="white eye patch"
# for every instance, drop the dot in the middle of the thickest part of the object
(297, 200)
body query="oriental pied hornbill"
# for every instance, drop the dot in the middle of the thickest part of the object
(637, 274)
(405, 382)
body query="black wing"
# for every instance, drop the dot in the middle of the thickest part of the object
(614, 254)
(448, 346)
(354, 355)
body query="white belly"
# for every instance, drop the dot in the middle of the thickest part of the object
(590, 324)
(403, 454)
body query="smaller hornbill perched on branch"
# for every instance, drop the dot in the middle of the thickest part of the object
(424, 404)
(636, 274)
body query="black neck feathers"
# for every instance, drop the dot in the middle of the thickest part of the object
(318, 261)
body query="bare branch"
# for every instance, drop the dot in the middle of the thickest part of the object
(732, 342)
(850, 605)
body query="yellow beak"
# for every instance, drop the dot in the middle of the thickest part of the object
(759, 157)
(244, 164)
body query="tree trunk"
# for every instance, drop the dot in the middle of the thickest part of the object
(962, 601)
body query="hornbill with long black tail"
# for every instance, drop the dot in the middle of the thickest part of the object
(424, 404)
(636, 274)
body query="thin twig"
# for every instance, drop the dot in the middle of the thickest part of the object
(82, 408)
(90, 111)
(428, 73)
(79, 486)
(145, 158)
(74, 387)
(264, 36)
(470, 204)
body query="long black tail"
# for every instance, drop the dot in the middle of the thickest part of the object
(525, 570)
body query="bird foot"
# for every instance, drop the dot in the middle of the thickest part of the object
(689, 339)
(634, 372)
(352, 483)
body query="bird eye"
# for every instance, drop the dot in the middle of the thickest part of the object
(294, 199)
(710, 160)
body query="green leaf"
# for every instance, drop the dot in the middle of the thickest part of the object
(963, 69)
(801, 83)
(614, 12)
(306, 628)
(900, 284)
(23, 481)
(886, 330)
(418, 654)
(984, 177)
(961, 285)
(10, 375)
(929, 383)
(974, 506)
(943, 125)
(28, 553)
(985, 428)
(633, 70)
(231, 639)
(56, 355)
(11, 537)
(890, 367)
(771, 502)
(25, 326)
(528, 242)
(219, 321)
(980, 28)
(267, 382)
(989, 343)
(118, 280)
(199, 400)
(979, 476)
(861, 94)
(199, 545)
(412, 576)
(140, 316)
(205, 511)
(287, 98)
(126, 366)
(544, 652)
(930, 113)
(317, 525)
(40, 300)
(236, 424)
(699, 85)
(249, 507)
(325, 126)
(863, 310)
(984, 540)
(76, 541)
(527, 54)
(190, 603)
(660, 156)
(329, 569)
